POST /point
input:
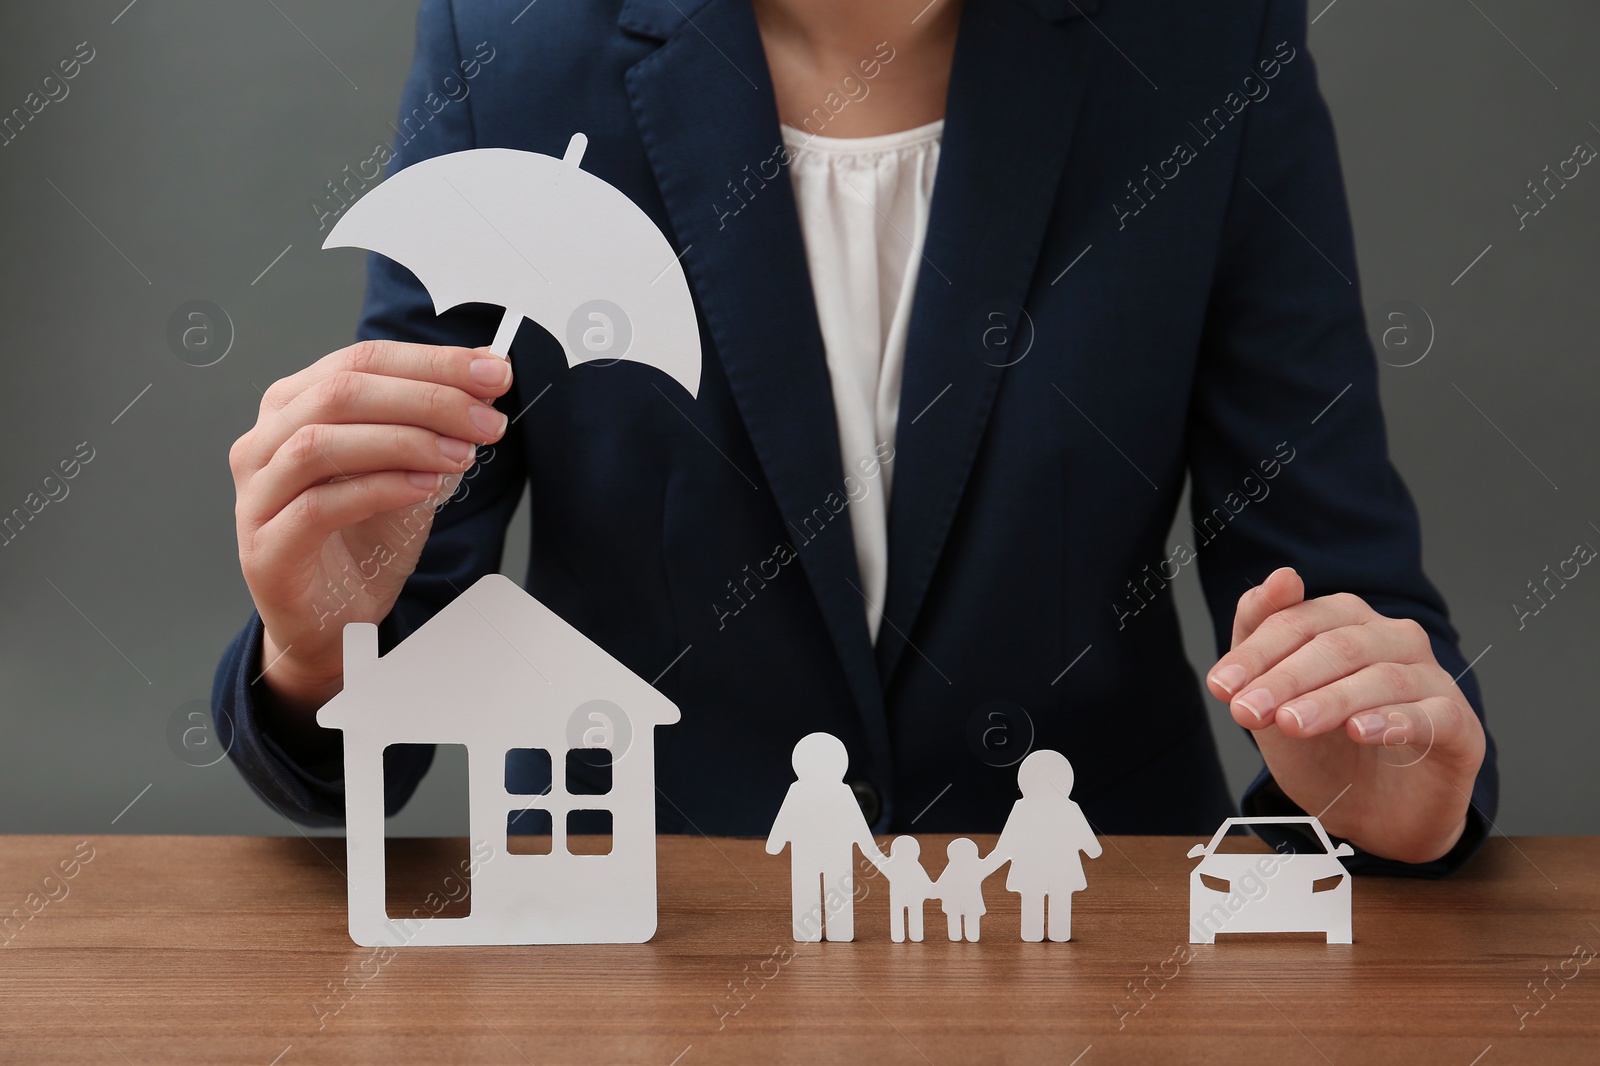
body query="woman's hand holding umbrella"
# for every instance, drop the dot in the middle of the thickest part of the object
(361, 443)
(366, 441)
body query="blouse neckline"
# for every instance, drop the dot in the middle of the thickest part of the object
(917, 136)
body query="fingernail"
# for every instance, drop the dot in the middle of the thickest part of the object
(492, 372)
(422, 480)
(1368, 725)
(1229, 678)
(1304, 713)
(457, 451)
(487, 419)
(1259, 702)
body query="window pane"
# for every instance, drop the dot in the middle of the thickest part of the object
(528, 832)
(589, 832)
(528, 772)
(589, 771)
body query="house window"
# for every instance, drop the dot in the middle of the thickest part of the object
(528, 831)
(589, 771)
(528, 772)
(589, 832)
(573, 798)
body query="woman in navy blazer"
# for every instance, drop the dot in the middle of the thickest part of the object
(1142, 200)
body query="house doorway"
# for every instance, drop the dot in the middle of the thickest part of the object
(431, 877)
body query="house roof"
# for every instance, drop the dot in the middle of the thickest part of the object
(493, 659)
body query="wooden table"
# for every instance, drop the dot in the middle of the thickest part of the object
(230, 949)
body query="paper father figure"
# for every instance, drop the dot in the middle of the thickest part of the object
(822, 825)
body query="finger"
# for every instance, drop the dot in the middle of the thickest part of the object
(474, 370)
(1368, 688)
(1281, 633)
(1328, 656)
(298, 532)
(1282, 588)
(321, 452)
(348, 397)
(1412, 731)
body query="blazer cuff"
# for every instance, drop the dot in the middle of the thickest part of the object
(311, 793)
(1264, 799)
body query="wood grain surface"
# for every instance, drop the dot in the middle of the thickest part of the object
(234, 950)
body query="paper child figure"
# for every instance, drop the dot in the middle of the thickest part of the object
(1041, 839)
(909, 889)
(960, 888)
(822, 824)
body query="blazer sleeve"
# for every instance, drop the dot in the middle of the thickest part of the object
(468, 532)
(1288, 454)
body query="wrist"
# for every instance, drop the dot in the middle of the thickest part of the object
(289, 692)
(298, 680)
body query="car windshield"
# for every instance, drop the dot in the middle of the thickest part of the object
(1240, 837)
(1239, 844)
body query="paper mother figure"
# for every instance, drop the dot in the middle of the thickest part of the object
(1041, 840)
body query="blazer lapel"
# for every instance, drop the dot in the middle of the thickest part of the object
(706, 113)
(1015, 88)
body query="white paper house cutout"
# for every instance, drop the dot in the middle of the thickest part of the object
(497, 670)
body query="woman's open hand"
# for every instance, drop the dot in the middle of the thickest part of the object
(1354, 716)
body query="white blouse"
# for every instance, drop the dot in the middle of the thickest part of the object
(863, 205)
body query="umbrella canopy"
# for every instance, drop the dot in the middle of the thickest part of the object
(544, 239)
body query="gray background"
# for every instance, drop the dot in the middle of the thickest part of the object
(189, 150)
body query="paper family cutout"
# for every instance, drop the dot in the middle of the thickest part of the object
(544, 239)
(822, 825)
(496, 670)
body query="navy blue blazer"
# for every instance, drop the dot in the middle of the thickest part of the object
(1122, 286)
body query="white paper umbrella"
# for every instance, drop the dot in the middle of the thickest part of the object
(545, 240)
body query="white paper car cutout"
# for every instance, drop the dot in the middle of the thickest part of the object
(1269, 892)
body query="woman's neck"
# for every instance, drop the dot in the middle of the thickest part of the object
(858, 68)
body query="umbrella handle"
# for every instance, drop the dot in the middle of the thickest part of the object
(501, 345)
(575, 149)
